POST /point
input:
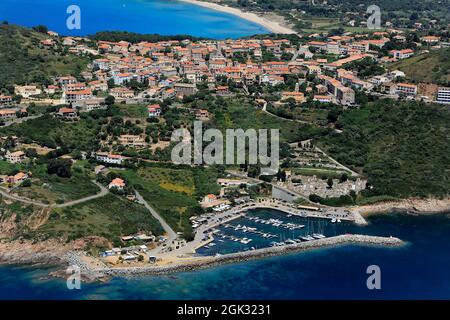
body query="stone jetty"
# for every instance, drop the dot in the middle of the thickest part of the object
(206, 262)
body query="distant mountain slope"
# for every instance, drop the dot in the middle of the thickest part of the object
(431, 67)
(24, 60)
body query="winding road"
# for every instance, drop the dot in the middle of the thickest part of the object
(103, 192)
(264, 109)
(171, 234)
(20, 199)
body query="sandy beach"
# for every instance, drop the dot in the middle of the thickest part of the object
(272, 26)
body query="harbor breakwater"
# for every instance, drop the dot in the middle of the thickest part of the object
(207, 262)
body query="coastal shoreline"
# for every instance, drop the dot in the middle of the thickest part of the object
(52, 253)
(208, 262)
(413, 206)
(272, 26)
(67, 257)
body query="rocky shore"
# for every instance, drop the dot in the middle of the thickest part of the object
(206, 262)
(29, 253)
(412, 206)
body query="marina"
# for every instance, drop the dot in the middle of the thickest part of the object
(263, 228)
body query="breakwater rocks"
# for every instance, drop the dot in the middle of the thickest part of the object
(206, 262)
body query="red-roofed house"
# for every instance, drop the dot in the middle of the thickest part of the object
(17, 178)
(67, 113)
(5, 100)
(117, 183)
(154, 110)
(15, 157)
(401, 54)
(407, 89)
(74, 96)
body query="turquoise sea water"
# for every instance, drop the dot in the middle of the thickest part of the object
(420, 270)
(165, 17)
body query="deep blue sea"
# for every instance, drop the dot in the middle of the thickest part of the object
(165, 17)
(420, 270)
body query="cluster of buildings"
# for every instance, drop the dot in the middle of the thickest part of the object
(422, 91)
(147, 71)
(172, 69)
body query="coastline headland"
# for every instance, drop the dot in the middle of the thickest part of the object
(198, 262)
(272, 26)
(412, 206)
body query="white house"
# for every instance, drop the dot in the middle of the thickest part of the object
(110, 158)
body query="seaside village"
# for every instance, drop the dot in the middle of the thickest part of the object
(145, 72)
(171, 69)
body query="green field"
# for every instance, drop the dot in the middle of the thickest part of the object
(110, 217)
(7, 168)
(243, 115)
(133, 111)
(53, 189)
(173, 192)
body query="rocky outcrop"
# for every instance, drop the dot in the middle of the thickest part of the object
(416, 206)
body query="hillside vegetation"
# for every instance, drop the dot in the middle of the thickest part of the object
(51, 132)
(402, 147)
(431, 67)
(24, 60)
(110, 217)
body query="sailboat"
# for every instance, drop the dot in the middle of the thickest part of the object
(319, 234)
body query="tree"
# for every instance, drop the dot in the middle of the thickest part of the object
(31, 153)
(315, 198)
(60, 167)
(281, 175)
(330, 183)
(333, 115)
(110, 100)
(343, 178)
(41, 28)
(76, 154)
(26, 183)
(111, 83)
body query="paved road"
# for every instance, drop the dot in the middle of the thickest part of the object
(171, 235)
